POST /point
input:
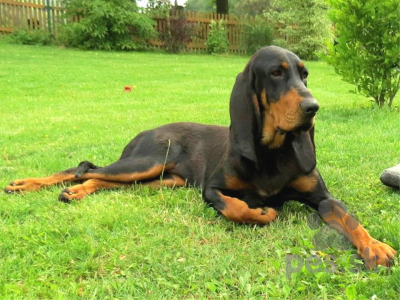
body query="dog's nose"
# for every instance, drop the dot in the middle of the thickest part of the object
(309, 106)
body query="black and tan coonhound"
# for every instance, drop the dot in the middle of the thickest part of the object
(265, 157)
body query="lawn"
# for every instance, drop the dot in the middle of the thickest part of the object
(60, 106)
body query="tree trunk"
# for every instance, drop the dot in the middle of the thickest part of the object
(222, 6)
(391, 101)
(382, 98)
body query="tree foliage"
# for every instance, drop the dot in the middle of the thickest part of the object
(200, 5)
(107, 25)
(158, 7)
(249, 7)
(222, 6)
(367, 48)
(304, 24)
(258, 33)
(236, 7)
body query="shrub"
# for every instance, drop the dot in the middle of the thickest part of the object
(107, 25)
(177, 34)
(29, 37)
(217, 40)
(366, 51)
(304, 24)
(258, 33)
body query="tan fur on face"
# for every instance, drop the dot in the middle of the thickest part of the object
(301, 64)
(285, 114)
(286, 111)
(256, 106)
(270, 136)
(285, 65)
(264, 98)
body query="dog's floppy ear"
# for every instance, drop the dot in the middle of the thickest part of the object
(304, 150)
(245, 116)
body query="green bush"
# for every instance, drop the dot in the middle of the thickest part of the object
(258, 33)
(366, 51)
(29, 37)
(304, 24)
(107, 25)
(217, 39)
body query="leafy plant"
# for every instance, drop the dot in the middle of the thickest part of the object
(258, 33)
(158, 8)
(217, 40)
(366, 51)
(304, 24)
(107, 25)
(177, 34)
(248, 7)
(29, 37)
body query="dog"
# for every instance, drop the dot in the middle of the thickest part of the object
(266, 156)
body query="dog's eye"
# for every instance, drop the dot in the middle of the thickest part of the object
(305, 75)
(276, 73)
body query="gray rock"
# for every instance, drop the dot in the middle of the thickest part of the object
(391, 177)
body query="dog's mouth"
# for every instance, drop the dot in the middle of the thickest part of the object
(306, 126)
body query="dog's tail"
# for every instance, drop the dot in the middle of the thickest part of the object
(83, 167)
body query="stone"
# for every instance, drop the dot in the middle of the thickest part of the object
(391, 177)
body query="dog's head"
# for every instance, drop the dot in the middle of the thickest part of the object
(269, 100)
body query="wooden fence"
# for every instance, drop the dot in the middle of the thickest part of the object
(48, 14)
(202, 26)
(34, 14)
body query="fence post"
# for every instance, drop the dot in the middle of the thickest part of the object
(48, 8)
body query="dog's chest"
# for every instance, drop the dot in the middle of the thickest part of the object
(272, 178)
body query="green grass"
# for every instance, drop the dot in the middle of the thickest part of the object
(59, 107)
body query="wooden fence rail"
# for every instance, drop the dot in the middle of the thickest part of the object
(48, 14)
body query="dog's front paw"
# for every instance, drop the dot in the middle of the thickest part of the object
(375, 252)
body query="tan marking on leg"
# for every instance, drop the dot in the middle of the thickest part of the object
(153, 172)
(285, 65)
(34, 184)
(367, 246)
(238, 211)
(236, 184)
(174, 181)
(79, 191)
(305, 183)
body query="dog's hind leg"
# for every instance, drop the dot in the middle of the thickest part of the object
(130, 170)
(34, 184)
(90, 186)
